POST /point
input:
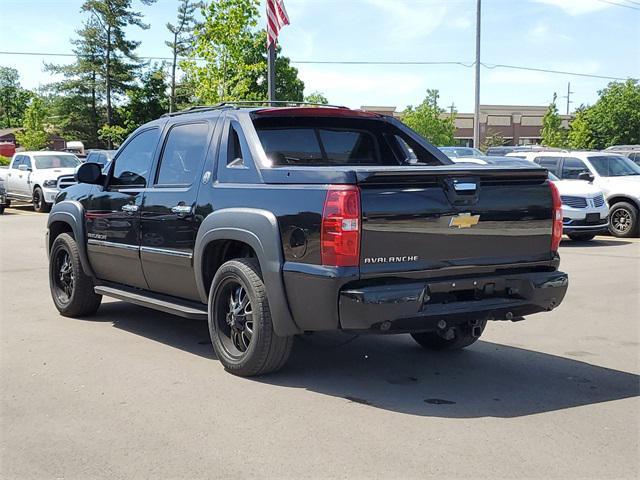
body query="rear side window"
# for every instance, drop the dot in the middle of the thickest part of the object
(323, 141)
(572, 168)
(550, 163)
(183, 152)
(132, 166)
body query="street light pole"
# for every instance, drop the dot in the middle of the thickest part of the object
(476, 112)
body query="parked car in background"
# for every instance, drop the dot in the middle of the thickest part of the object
(506, 149)
(101, 157)
(585, 213)
(39, 176)
(455, 152)
(3, 197)
(632, 152)
(616, 175)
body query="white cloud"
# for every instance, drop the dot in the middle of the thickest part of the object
(577, 7)
(360, 87)
(410, 21)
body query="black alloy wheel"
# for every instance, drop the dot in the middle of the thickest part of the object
(623, 220)
(235, 317)
(62, 276)
(71, 289)
(240, 321)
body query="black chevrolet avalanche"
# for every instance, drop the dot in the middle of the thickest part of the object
(271, 222)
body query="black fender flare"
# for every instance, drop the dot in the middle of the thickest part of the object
(71, 212)
(258, 229)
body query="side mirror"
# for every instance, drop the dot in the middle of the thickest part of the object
(23, 168)
(89, 173)
(586, 176)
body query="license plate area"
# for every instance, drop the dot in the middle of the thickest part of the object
(592, 218)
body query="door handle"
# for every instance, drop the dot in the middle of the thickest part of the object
(181, 209)
(130, 208)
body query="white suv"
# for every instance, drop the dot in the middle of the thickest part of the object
(616, 175)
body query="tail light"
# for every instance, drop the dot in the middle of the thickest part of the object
(556, 234)
(340, 233)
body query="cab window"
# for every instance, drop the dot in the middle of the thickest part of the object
(572, 168)
(183, 152)
(132, 166)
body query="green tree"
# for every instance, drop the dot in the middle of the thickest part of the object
(493, 139)
(316, 97)
(553, 135)
(33, 135)
(148, 100)
(113, 134)
(182, 39)
(76, 100)
(288, 85)
(13, 98)
(615, 118)
(580, 135)
(113, 17)
(235, 63)
(428, 120)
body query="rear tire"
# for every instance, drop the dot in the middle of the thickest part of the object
(463, 337)
(581, 237)
(1, 209)
(240, 321)
(39, 205)
(623, 220)
(71, 290)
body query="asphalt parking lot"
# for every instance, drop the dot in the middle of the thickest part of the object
(133, 393)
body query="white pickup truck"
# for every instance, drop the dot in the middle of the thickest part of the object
(38, 177)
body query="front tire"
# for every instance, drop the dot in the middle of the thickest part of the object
(39, 205)
(71, 290)
(463, 336)
(240, 321)
(581, 237)
(623, 220)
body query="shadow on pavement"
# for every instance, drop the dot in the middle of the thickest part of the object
(395, 374)
(594, 243)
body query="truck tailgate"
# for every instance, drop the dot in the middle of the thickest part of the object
(443, 219)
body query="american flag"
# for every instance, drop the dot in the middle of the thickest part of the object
(276, 19)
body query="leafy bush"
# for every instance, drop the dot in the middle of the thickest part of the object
(4, 160)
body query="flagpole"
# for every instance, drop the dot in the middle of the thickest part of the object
(271, 71)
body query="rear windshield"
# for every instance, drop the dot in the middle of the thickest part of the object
(56, 161)
(321, 141)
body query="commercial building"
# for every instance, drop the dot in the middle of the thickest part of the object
(516, 124)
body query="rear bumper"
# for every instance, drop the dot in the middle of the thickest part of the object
(330, 299)
(420, 306)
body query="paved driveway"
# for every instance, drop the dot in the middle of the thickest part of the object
(132, 393)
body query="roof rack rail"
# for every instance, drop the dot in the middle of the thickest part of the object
(246, 103)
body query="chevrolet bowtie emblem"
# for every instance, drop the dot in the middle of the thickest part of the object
(464, 220)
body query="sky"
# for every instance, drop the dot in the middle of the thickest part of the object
(598, 37)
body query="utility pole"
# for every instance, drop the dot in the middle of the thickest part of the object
(452, 108)
(476, 112)
(568, 96)
(271, 72)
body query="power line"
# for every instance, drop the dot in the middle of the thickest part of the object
(545, 70)
(621, 4)
(362, 62)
